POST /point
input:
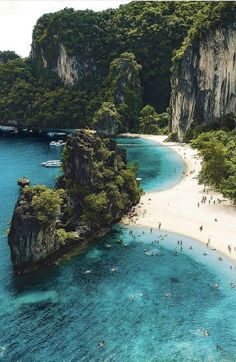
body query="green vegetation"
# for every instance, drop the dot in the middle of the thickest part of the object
(106, 119)
(123, 54)
(44, 202)
(218, 151)
(226, 122)
(64, 236)
(124, 89)
(103, 188)
(5, 56)
(211, 16)
(151, 122)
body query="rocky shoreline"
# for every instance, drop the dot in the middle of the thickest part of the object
(96, 189)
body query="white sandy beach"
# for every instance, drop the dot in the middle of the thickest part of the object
(177, 208)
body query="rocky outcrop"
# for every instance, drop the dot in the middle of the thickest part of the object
(106, 120)
(29, 241)
(93, 193)
(204, 80)
(125, 89)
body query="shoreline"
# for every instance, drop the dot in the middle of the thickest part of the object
(179, 208)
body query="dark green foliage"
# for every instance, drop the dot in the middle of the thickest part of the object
(172, 137)
(152, 122)
(124, 89)
(106, 119)
(213, 14)
(151, 31)
(97, 180)
(7, 55)
(43, 202)
(148, 30)
(226, 122)
(132, 45)
(218, 150)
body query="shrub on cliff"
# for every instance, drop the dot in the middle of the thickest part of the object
(44, 202)
(106, 120)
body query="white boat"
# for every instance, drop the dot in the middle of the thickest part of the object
(51, 163)
(57, 143)
(56, 134)
(138, 179)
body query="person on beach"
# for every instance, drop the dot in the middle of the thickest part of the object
(159, 226)
(201, 228)
(229, 249)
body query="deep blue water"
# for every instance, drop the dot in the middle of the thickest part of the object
(151, 308)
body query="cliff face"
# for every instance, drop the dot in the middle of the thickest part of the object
(94, 192)
(70, 68)
(204, 85)
(28, 240)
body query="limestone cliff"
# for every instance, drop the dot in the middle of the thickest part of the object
(70, 68)
(93, 193)
(204, 80)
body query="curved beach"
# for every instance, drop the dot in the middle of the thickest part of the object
(180, 210)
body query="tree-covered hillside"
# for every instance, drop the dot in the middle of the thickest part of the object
(122, 56)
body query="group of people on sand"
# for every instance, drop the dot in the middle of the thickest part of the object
(210, 200)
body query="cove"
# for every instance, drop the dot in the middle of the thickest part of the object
(151, 308)
(159, 167)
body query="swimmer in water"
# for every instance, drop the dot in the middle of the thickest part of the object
(102, 343)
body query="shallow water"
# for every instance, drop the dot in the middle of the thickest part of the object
(160, 168)
(151, 308)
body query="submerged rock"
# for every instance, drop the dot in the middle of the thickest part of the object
(93, 193)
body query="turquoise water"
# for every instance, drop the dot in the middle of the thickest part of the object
(159, 168)
(145, 302)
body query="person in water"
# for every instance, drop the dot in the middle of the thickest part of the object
(205, 333)
(102, 343)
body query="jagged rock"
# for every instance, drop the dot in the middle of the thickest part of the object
(92, 194)
(204, 83)
(23, 181)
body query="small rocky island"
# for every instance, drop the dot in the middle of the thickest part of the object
(96, 189)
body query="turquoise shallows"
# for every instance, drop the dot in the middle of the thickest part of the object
(159, 167)
(145, 307)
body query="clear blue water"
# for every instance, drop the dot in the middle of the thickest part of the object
(159, 168)
(151, 308)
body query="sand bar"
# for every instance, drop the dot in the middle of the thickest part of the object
(179, 209)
